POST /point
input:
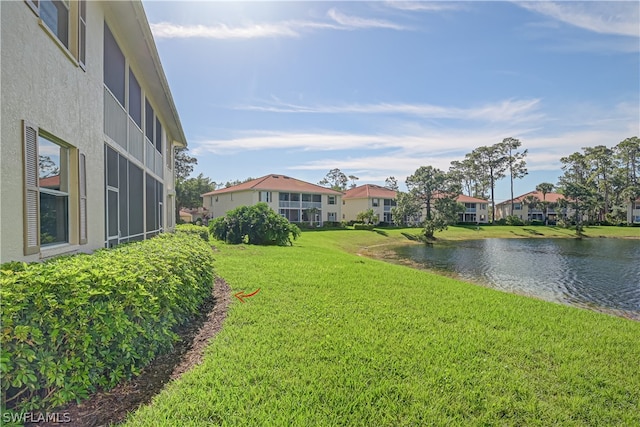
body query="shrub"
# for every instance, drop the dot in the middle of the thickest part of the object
(197, 230)
(255, 225)
(513, 220)
(358, 226)
(73, 324)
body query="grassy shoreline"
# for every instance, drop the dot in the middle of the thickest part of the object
(334, 338)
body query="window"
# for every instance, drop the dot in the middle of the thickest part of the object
(375, 202)
(331, 216)
(47, 176)
(148, 120)
(114, 66)
(82, 32)
(135, 99)
(332, 200)
(517, 206)
(53, 183)
(158, 135)
(55, 15)
(264, 196)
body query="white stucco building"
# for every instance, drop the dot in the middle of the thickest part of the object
(296, 200)
(88, 128)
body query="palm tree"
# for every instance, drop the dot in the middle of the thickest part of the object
(545, 188)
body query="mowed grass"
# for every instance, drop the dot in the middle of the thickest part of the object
(334, 339)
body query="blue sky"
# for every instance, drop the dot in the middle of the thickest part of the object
(379, 89)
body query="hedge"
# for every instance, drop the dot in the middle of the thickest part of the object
(199, 230)
(75, 324)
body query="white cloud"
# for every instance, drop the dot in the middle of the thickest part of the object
(223, 31)
(605, 17)
(507, 110)
(354, 22)
(425, 6)
(268, 30)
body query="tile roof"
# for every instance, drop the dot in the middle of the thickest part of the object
(276, 182)
(468, 199)
(549, 197)
(369, 190)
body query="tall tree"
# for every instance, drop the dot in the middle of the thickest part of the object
(184, 163)
(436, 192)
(601, 163)
(407, 210)
(470, 174)
(545, 188)
(574, 185)
(237, 182)
(628, 155)
(492, 162)
(335, 179)
(353, 179)
(189, 191)
(391, 183)
(516, 164)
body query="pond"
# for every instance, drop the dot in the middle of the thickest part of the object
(595, 273)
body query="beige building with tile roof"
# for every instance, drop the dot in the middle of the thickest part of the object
(522, 210)
(369, 196)
(296, 200)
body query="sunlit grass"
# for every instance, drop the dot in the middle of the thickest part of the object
(333, 338)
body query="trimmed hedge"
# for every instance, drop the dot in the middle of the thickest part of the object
(359, 226)
(199, 230)
(73, 324)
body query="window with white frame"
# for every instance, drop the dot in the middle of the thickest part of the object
(331, 200)
(375, 202)
(265, 196)
(53, 183)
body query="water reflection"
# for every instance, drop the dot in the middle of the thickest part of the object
(593, 272)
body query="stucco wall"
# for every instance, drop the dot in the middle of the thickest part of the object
(41, 84)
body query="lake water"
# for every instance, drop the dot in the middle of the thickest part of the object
(589, 272)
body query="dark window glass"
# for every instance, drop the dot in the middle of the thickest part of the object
(55, 15)
(124, 196)
(151, 203)
(135, 99)
(148, 120)
(112, 168)
(114, 69)
(158, 136)
(136, 200)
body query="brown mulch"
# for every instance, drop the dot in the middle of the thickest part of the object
(104, 408)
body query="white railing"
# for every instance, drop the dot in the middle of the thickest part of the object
(159, 167)
(311, 205)
(136, 141)
(149, 157)
(115, 119)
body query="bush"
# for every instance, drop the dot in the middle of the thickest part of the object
(513, 220)
(73, 324)
(197, 230)
(358, 226)
(255, 225)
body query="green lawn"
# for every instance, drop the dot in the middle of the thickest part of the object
(334, 338)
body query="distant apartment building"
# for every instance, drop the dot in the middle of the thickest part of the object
(369, 196)
(475, 210)
(296, 200)
(524, 209)
(89, 128)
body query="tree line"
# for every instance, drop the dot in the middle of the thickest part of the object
(597, 183)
